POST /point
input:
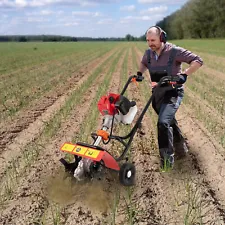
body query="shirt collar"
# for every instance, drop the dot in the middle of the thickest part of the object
(154, 53)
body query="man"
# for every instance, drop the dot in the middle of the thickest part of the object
(163, 60)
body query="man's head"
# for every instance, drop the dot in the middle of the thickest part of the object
(155, 36)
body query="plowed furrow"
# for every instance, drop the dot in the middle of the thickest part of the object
(212, 120)
(34, 129)
(167, 191)
(39, 170)
(10, 130)
(142, 209)
(209, 160)
(96, 207)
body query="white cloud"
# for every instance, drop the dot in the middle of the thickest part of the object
(124, 21)
(86, 13)
(4, 16)
(105, 21)
(87, 4)
(38, 3)
(93, 29)
(44, 13)
(162, 1)
(37, 20)
(21, 3)
(130, 19)
(65, 19)
(46, 16)
(155, 10)
(149, 18)
(16, 21)
(81, 13)
(97, 14)
(128, 8)
(71, 24)
(44, 26)
(34, 3)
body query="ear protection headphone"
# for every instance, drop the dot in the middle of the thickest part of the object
(162, 34)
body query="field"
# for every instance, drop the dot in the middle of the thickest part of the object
(48, 96)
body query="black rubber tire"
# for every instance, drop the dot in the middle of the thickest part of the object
(127, 174)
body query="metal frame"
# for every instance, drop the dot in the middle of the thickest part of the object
(110, 161)
(130, 136)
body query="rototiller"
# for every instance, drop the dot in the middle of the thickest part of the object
(91, 159)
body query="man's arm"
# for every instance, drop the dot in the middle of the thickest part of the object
(194, 61)
(194, 66)
(142, 68)
(143, 64)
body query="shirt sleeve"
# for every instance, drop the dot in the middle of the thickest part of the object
(184, 55)
(144, 60)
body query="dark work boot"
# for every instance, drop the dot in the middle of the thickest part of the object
(166, 160)
(181, 149)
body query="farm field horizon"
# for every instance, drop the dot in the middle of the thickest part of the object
(49, 94)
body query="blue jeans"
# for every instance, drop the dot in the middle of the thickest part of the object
(168, 130)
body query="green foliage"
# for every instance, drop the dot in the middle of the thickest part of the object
(57, 38)
(196, 19)
(44, 38)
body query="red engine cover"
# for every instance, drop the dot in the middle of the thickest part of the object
(106, 104)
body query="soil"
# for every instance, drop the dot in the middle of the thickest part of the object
(192, 193)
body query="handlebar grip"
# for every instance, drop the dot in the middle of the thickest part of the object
(138, 78)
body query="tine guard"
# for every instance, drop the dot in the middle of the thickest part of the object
(110, 161)
(87, 151)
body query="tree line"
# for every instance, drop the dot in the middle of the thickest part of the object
(196, 19)
(44, 38)
(57, 38)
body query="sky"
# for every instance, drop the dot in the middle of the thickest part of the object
(83, 18)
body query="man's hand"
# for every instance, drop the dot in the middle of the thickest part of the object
(177, 79)
(182, 78)
(165, 80)
(139, 77)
